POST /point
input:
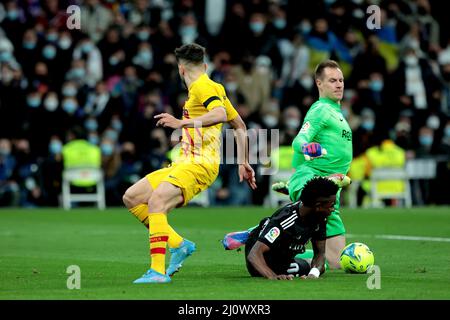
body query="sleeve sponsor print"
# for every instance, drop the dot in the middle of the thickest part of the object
(305, 127)
(272, 234)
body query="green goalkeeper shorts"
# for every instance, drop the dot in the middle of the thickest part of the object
(335, 226)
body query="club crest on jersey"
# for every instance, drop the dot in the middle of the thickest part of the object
(186, 113)
(305, 127)
(272, 234)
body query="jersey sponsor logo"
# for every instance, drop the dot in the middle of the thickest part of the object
(347, 135)
(305, 127)
(272, 234)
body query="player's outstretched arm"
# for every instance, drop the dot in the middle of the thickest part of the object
(318, 261)
(245, 170)
(211, 118)
(256, 258)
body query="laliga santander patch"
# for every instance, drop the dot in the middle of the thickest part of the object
(305, 127)
(272, 234)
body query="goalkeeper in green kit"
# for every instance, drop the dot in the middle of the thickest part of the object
(323, 147)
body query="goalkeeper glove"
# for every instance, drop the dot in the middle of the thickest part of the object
(312, 150)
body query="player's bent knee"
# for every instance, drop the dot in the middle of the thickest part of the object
(128, 199)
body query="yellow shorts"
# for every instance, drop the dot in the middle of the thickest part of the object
(191, 178)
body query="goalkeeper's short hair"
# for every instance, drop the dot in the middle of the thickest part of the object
(317, 187)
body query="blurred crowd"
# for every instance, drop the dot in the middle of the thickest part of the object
(113, 75)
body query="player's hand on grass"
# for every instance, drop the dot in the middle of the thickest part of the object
(312, 150)
(168, 121)
(284, 277)
(246, 172)
(309, 276)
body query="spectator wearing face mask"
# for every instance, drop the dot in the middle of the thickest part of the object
(189, 32)
(109, 45)
(364, 136)
(88, 51)
(439, 192)
(71, 113)
(27, 174)
(9, 188)
(263, 42)
(51, 172)
(291, 120)
(444, 147)
(425, 150)
(426, 141)
(235, 30)
(373, 93)
(100, 105)
(111, 162)
(40, 79)
(128, 89)
(367, 62)
(444, 68)
(296, 57)
(254, 83)
(128, 173)
(77, 73)
(420, 12)
(34, 126)
(144, 12)
(49, 54)
(416, 85)
(45, 121)
(14, 21)
(156, 151)
(28, 50)
(143, 59)
(95, 19)
(13, 100)
(64, 44)
(403, 135)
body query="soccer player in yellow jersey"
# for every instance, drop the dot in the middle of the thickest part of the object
(151, 198)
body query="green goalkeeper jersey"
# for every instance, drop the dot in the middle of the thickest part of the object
(325, 124)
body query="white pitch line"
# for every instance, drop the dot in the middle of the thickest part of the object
(399, 237)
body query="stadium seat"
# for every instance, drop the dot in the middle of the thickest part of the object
(82, 170)
(77, 174)
(385, 175)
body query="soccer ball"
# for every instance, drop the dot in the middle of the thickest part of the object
(356, 258)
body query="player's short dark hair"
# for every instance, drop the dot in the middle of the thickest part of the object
(323, 65)
(317, 187)
(190, 53)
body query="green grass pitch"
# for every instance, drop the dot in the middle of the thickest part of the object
(111, 249)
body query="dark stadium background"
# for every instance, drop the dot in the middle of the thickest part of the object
(122, 66)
